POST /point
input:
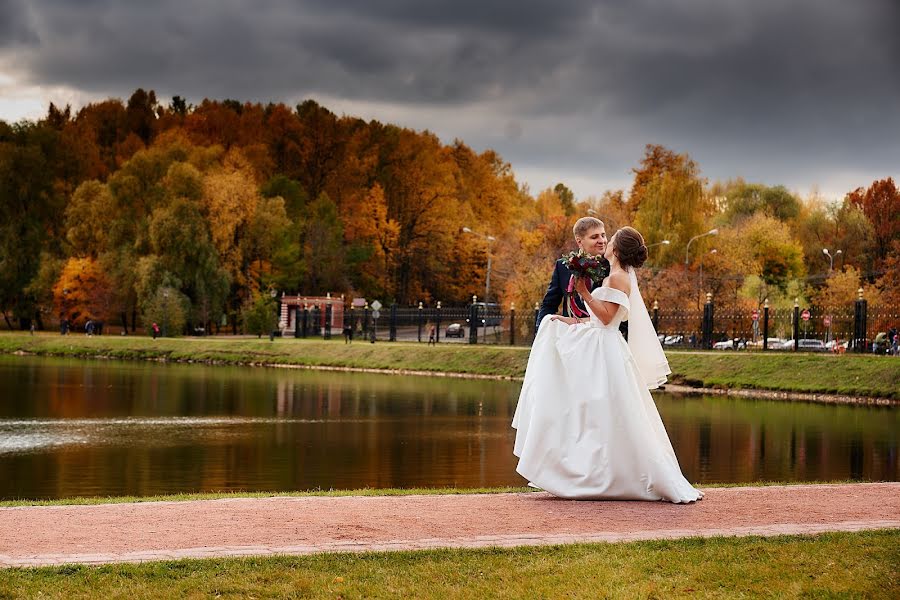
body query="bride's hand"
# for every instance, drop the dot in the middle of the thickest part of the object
(566, 320)
(581, 287)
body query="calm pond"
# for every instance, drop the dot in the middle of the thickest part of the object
(87, 428)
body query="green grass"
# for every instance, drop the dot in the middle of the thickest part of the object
(359, 492)
(834, 565)
(857, 375)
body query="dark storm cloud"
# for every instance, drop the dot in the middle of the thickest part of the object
(15, 24)
(806, 83)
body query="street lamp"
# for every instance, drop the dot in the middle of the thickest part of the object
(688, 249)
(165, 313)
(713, 251)
(830, 258)
(664, 243)
(487, 281)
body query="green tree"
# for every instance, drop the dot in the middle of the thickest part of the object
(168, 308)
(259, 314)
(566, 198)
(324, 249)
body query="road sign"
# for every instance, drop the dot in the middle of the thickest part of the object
(827, 321)
(376, 305)
(755, 315)
(805, 314)
(376, 313)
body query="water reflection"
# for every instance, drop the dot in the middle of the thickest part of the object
(70, 428)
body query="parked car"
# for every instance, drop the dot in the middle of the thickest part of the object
(811, 346)
(740, 344)
(672, 340)
(774, 343)
(805, 345)
(455, 330)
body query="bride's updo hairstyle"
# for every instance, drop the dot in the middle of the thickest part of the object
(630, 247)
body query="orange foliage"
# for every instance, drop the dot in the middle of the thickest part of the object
(881, 204)
(83, 291)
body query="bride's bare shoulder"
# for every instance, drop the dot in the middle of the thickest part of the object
(620, 281)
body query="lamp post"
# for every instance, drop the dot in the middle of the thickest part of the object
(688, 249)
(487, 281)
(700, 290)
(165, 313)
(830, 258)
(662, 243)
(274, 294)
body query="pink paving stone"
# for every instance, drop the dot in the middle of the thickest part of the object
(262, 526)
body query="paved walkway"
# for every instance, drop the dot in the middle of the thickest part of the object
(31, 536)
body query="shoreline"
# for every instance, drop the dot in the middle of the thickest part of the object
(679, 388)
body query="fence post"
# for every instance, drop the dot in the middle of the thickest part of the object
(796, 320)
(473, 323)
(708, 322)
(393, 324)
(365, 323)
(297, 323)
(859, 322)
(766, 324)
(420, 322)
(656, 316)
(328, 314)
(305, 330)
(437, 318)
(512, 324)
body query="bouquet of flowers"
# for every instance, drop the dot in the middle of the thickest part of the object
(584, 265)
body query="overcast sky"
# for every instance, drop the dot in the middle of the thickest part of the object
(804, 93)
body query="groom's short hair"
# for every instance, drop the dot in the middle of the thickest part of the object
(585, 224)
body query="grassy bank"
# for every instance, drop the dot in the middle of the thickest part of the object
(872, 376)
(829, 565)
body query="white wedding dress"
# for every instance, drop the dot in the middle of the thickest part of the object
(586, 424)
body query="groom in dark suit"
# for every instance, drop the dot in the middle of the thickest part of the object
(590, 235)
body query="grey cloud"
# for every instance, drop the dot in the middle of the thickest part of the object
(16, 26)
(809, 83)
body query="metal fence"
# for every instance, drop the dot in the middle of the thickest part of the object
(855, 328)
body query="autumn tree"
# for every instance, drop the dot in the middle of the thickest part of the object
(419, 190)
(880, 202)
(669, 201)
(761, 246)
(83, 291)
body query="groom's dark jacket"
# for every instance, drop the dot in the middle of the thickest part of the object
(556, 293)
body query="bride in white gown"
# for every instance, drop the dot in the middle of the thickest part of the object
(586, 425)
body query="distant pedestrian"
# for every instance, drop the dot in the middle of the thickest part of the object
(154, 329)
(64, 327)
(348, 332)
(32, 327)
(432, 335)
(89, 328)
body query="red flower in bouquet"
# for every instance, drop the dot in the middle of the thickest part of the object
(584, 265)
